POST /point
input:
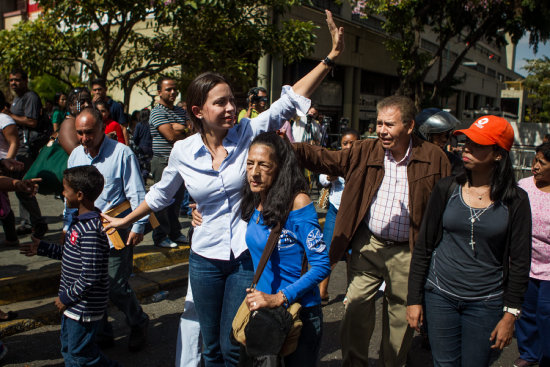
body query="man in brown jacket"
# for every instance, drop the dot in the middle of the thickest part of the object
(388, 183)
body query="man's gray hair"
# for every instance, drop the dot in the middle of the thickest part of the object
(404, 104)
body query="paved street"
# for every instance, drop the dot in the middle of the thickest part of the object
(40, 347)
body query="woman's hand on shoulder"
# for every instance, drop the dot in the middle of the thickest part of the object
(301, 200)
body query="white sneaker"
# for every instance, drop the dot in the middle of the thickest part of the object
(182, 239)
(167, 243)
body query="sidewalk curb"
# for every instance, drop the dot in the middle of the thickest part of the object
(143, 284)
(41, 283)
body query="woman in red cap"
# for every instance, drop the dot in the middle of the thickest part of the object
(470, 264)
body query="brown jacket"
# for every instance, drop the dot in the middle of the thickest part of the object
(362, 166)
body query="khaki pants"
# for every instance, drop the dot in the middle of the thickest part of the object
(371, 263)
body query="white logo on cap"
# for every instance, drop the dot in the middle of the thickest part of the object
(482, 122)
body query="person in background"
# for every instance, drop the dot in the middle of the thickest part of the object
(99, 93)
(306, 129)
(9, 144)
(437, 126)
(34, 132)
(134, 120)
(336, 188)
(370, 133)
(143, 143)
(257, 103)
(112, 128)
(78, 99)
(276, 194)
(533, 327)
(470, 265)
(167, 123)
(59, 110)
(212, 163)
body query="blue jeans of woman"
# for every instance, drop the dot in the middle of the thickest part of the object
(309, 344)
(533, 327)
(330, 219)
(459, 330)
(219, 288)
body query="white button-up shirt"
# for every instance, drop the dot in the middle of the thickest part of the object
(218, 193)
(389, 216)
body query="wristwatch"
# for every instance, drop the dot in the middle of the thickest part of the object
(328, 62)
(514, 311)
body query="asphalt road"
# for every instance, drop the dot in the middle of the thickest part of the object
(40, 347)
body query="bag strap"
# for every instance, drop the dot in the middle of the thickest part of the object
(270, 246)
(268, 250)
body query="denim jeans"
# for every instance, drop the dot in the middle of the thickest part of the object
(78, 345)
(328, 229)
(309, 344)
(533, 327)
(459, 331)
(219, 288)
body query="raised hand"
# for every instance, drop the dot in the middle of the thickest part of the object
(337, 35)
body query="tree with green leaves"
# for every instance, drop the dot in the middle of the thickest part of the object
(470, 21)
(538, 85)
(129, 43)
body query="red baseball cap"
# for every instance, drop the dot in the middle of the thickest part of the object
(490, 130)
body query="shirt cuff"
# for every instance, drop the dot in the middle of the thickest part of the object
(138, 228)
(301, 103)
(64, 298)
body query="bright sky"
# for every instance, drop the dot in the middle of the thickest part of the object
(523, 51)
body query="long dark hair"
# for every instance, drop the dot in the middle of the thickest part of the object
(289, 182)
(503, 181)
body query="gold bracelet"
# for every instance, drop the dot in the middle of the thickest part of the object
(285, 300)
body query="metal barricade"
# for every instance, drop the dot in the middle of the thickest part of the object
(522, 159)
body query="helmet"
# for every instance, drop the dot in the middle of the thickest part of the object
(434, 121)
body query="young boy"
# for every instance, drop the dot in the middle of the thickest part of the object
(84, 288)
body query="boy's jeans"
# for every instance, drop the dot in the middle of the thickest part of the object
(78, 345)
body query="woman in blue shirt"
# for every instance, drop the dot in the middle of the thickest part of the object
(213, 165)
(276, 187)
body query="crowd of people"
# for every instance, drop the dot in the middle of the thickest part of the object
(462, 248)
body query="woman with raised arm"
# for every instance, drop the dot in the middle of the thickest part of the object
(212, 163)
(470, 264)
